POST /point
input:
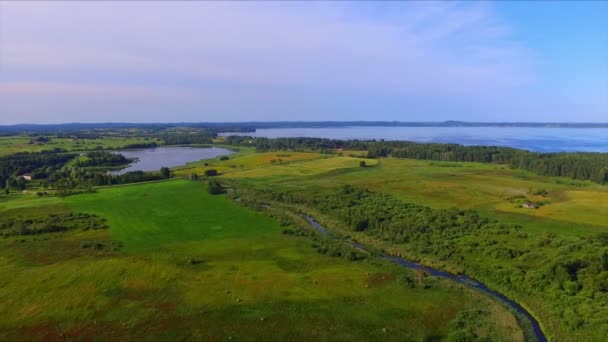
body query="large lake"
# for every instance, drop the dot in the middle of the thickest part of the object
(152, 159)
(540, 139)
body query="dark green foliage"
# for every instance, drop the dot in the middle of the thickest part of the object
(211, 172)
(295, 144)
(584, 166)
(141, 145)
(126, 178)
(193, 177)
(466, 327)
(214, 187)
(165, 172)
(40, 164)
(322, 244)
(50, 224)
(40, 140)
(101, 245)
(203, 136)
(224, 158)
(362, 163)
(539, 192)
(100, 158)
(388, 218)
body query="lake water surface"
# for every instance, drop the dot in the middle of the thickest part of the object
(539, 139)
(152, 159)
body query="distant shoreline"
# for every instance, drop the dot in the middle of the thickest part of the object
(251, 126)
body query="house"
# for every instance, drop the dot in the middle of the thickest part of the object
(529, 205)
(26, 176)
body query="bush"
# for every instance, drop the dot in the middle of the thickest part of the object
(214, 187)
(165, 172)
(211, 172)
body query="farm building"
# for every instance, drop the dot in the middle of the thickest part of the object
(26, 176)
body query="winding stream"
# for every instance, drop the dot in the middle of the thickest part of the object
(461, 279)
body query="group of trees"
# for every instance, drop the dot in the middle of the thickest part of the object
(296, 144)
(202, 136)
(50, 224)
(39, 164)
(390, 219)
(583, 166)
(100, 179)
(102, 158)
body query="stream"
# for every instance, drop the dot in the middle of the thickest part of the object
(461, 279)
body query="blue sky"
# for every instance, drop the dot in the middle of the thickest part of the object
(264, 61)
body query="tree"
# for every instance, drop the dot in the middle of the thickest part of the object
(194, 177)
(224, 158)
(214, 187)
(211, 172)
(7, 191)
(362, 163)
(165, 172)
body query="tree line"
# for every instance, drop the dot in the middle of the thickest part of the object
(102, 158)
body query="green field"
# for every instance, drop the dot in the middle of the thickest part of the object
(14, 144)
(176, 262)
(196, 266)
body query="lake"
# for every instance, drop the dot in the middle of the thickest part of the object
(539, 139)
(152, 159)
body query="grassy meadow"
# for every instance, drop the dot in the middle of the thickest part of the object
(14, 144)
(178, 263)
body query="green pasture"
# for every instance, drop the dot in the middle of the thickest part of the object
(573, 207)
(14, 144)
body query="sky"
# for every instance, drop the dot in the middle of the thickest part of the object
(189, 61)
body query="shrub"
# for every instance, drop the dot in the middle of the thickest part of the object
(211, 172)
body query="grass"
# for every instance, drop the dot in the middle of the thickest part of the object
(162, 224)
(197, 266)
(573, 209)
(483, 187)
(246, 159)
(14, 144)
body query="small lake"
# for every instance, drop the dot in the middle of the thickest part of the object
(538, 139)
(152, 159)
